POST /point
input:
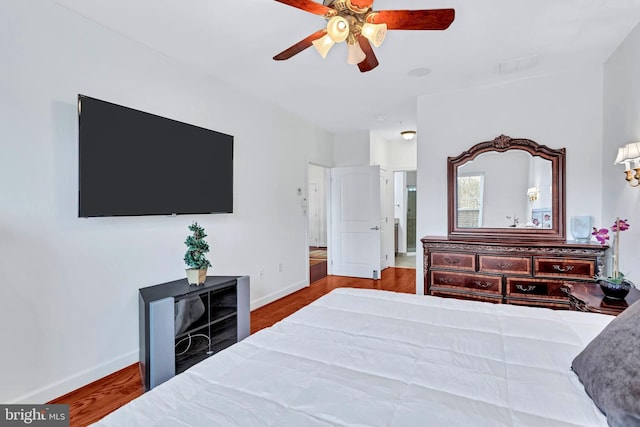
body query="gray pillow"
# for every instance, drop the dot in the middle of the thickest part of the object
(609, 369)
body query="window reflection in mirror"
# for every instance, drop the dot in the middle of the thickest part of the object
(504, 189)
(470, 191)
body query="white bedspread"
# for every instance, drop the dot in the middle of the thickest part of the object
(360, 357)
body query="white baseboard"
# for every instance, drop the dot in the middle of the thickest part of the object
(76, 381)
(277, 295)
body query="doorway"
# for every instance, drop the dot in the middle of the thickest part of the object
(405, 194)
(317, 221)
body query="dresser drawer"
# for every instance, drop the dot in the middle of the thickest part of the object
(466, 281)
(459, 261)
(564, 267)
(505, 264)
(495, 299)
(524, 288)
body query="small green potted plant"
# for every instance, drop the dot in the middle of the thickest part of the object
(195, 257)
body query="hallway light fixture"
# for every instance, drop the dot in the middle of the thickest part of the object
(408, 135)
(626, 155)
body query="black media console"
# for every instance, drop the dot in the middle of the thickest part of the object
(181, 324)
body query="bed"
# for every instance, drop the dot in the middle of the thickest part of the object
(358, 357)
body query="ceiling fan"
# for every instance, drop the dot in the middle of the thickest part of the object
(356, 23)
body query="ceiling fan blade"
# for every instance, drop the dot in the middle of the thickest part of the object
(370, 61)
(300, 46)
(434, 19)
(309, 6)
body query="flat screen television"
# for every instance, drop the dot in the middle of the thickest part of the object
(136, 163)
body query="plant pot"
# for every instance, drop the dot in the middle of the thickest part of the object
(196, 276)
(615, 290)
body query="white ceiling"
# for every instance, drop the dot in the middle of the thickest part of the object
(235, 40)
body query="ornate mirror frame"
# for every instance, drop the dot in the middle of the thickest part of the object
(501, 144)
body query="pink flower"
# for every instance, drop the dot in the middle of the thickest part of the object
(601, 235)
(624, 225)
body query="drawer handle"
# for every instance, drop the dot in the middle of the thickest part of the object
(452, 261)
(505, 265)
(445, 280)
(483, 285)
(562, 269)
(527, 288)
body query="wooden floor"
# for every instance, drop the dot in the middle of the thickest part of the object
(94, 401)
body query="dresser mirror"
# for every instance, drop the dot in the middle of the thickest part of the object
(507, 188)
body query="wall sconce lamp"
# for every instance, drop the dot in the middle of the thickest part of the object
(626, 155)
(408, 135)
(533, 194)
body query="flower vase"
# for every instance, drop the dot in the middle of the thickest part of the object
(581, 227)
(615, 290)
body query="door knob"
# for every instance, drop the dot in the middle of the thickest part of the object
(375, 228)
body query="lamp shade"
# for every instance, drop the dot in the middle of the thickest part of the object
(627, 154)
(375, 33)
(338, 29)
(633, 151)
(323, 45)
(355, 54)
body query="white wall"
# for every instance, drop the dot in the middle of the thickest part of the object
(352, 149)
(392, 156)
(621, 126)
(379, 152)
(559, 110)
(402, 155)
(68, 312)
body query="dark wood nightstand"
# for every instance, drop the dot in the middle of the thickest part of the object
(589, 297)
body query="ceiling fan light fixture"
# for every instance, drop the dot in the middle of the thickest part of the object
(323, 45)
(408, 135)
(355, 54)
(338, 29)
(375, 33)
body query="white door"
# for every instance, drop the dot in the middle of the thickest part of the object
(355, 222)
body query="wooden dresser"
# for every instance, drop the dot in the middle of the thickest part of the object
(525, 273)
